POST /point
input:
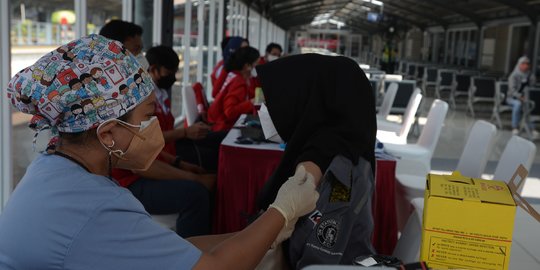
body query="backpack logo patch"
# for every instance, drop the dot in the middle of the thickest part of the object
(327, 233)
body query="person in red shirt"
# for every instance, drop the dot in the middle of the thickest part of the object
(219, 66)
(236, 94)
(219, 75)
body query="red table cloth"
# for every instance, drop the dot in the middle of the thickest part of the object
(243, 171)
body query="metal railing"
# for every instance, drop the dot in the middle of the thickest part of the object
(40, 33)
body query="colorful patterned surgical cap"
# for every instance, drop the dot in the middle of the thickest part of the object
(80, 85)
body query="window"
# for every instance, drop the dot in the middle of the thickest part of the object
(37, 27)
(101, 12)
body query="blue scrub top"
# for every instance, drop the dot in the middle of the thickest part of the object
(62, 217)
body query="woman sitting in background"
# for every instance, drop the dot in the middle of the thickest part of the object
(228, 47)
(234, 99)
(518, 81)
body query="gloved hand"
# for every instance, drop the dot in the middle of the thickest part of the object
(296, 197)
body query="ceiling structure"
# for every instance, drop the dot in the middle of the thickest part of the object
(353, 14)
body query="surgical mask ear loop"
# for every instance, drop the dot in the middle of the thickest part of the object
(118, 153)
(110, 160)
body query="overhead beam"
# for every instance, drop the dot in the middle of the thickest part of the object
(413, 11)
(289, 15)
(407, 20)
(316, 10)
(522, 7)
(457, 10)
(412, 22)
(297, 6)
(365, 25)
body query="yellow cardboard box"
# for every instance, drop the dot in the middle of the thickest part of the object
(467, 223)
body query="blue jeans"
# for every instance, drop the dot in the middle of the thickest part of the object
(188, 198)
(517, 112)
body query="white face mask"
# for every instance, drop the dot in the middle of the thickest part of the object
(142, 60)
(253, 72)
(269, 130)
(271, 58)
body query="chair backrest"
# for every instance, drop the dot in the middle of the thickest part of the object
(403, 67)
(374, 72)
(403, 95)
(470, 72)
(190, 105)
(431, 75)
(446, 77)
(434, 123)
(534, 95)
(393, 77)
(484, 87)
(388, 100)
(420, 72)
(411, 71)
(517, 151)
(410, 112)
(463, 82)
(476, 152)
(501, 90)
(375, 87)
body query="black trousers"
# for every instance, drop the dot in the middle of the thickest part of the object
(204, 152)
(188, 198)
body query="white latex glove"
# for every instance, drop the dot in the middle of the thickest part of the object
(296, 197)
(285, 233)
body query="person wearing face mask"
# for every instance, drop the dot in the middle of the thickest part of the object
(519, 82)
(235, 97)
(273, 52)
(69, 213)
(128, 34)
(219, 75)
(193, 144)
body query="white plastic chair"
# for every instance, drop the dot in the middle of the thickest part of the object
(388, 132)
(517, 151)
(167, 221)
(476, 152)
(472, 162)
(416, 160)
(388, 100)
(412, 181)
(408, 246)
(423, 149)
(190, 105)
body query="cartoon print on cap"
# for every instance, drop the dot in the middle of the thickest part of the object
(80, 85)
(89, 110)
(89, 83)
(97, 75)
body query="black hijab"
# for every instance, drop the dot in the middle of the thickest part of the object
(322, 106)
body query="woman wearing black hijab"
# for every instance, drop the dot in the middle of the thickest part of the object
(324, 108)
